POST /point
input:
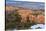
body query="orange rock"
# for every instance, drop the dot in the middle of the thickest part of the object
(32, 18)
(24, 14)
(41, 19)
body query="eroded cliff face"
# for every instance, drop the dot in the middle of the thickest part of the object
(33, 18)
(24, 14)
(41, 19)
(28, 13)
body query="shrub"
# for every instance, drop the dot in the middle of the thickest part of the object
(12, 20)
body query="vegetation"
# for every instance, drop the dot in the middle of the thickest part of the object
(13, 20)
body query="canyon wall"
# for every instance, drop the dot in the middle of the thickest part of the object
(33, 16)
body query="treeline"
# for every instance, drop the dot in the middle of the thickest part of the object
(13, 21)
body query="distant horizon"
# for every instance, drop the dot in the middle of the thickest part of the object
(28, 0)
(34, 5)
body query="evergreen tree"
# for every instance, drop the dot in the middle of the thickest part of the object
(13, 19)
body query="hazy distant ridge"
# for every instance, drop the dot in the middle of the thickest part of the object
(34, 5)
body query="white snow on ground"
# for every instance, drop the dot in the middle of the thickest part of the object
(38, 25)
(42, 26)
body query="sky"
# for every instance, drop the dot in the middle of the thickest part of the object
(26, 4)
(28, 0)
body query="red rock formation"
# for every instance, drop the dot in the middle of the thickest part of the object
(41, 19)
(24, 14)
(27, 13)
(32, 18)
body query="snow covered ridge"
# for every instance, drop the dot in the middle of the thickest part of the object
(38, 26)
